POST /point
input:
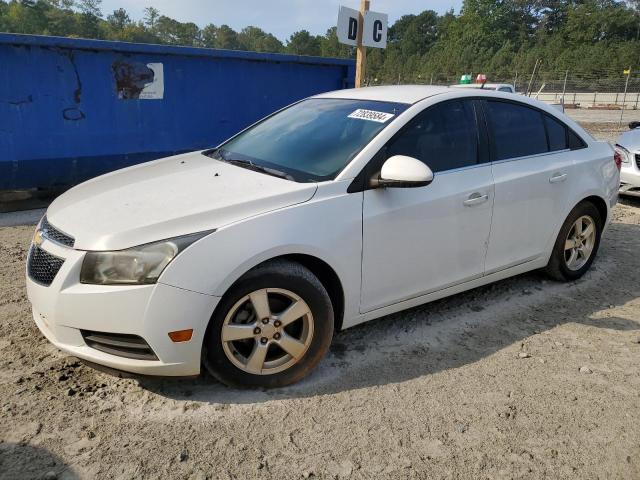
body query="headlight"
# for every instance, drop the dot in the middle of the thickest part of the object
(134, 266)
(625, 155)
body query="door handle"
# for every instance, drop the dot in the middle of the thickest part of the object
(558, 177)
(475, 199)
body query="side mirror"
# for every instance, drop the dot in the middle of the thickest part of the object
(401, 171)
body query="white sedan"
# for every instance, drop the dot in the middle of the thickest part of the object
(338, 209)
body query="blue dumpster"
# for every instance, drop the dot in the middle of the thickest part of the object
(71, 109)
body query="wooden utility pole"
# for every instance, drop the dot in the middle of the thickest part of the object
(361, 50)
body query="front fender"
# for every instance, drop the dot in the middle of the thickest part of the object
(327, 227)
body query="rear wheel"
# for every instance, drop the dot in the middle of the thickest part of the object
(577, 243)
(271, 329)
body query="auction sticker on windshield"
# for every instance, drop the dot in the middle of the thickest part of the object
(372, 115)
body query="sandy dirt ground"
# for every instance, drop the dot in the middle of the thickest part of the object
(587, 115)
(526, 378)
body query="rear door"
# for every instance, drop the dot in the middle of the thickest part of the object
(419, 240)
(533, 173)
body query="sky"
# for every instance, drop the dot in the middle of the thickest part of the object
(279, 17)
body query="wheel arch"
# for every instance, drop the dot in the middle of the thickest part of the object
(600, 204)
(329, 279)
(557, 266)
(598, 201)
(325, 273)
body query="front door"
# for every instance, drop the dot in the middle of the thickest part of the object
(419, 240)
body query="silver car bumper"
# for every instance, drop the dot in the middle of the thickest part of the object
(630, 176)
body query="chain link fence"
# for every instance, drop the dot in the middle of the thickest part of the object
(605, 89)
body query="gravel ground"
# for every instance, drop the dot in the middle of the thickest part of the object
(597, 115)
(526, 378)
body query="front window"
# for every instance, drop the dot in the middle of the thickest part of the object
(312, 140)
(444, 137)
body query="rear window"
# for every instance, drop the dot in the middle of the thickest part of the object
(518, 131)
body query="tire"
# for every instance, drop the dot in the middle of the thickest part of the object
(244, 362)
(561, 268)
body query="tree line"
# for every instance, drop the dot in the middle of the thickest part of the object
(499, 37)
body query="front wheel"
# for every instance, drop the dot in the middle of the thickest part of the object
(271, 329)
(577, 243)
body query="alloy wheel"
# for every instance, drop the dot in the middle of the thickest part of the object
(267, 331)
(580, 242)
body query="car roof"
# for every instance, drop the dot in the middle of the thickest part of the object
(410, 94)
(390, 93)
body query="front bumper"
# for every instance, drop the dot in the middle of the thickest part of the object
(64, 308)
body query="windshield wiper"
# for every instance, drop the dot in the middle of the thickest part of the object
(248, 164)
(220, 154)
(258, 168)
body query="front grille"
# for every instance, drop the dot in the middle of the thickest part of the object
(43, 267)
(638, 160)
(120, 344)
(55, 235)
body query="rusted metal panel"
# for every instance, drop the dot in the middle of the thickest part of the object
(71, 109)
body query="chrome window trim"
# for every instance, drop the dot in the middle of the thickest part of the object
(460, 169)
(516, 159)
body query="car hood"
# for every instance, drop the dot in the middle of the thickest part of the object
(630, 140)
(167, 198)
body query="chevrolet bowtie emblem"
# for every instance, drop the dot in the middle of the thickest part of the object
(37, 238)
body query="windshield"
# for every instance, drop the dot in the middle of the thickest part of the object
(312, 140)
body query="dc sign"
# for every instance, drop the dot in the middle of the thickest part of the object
(374, 30)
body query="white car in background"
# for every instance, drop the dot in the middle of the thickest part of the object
(499, 87)
(338, 209)
(628, 147)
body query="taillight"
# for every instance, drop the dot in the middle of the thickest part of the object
(617, 158)
(621, 155)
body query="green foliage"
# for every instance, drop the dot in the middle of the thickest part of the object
(256, 40)
(90, 18)
(151, 16)
(172, 32)
(226, 37)
(331, 47)
(119, 19)
(303, 43)
(498, 37)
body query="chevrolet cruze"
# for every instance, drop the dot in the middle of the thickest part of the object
(338, 209)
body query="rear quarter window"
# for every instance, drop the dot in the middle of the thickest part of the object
(557, 134)
(575, 142)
